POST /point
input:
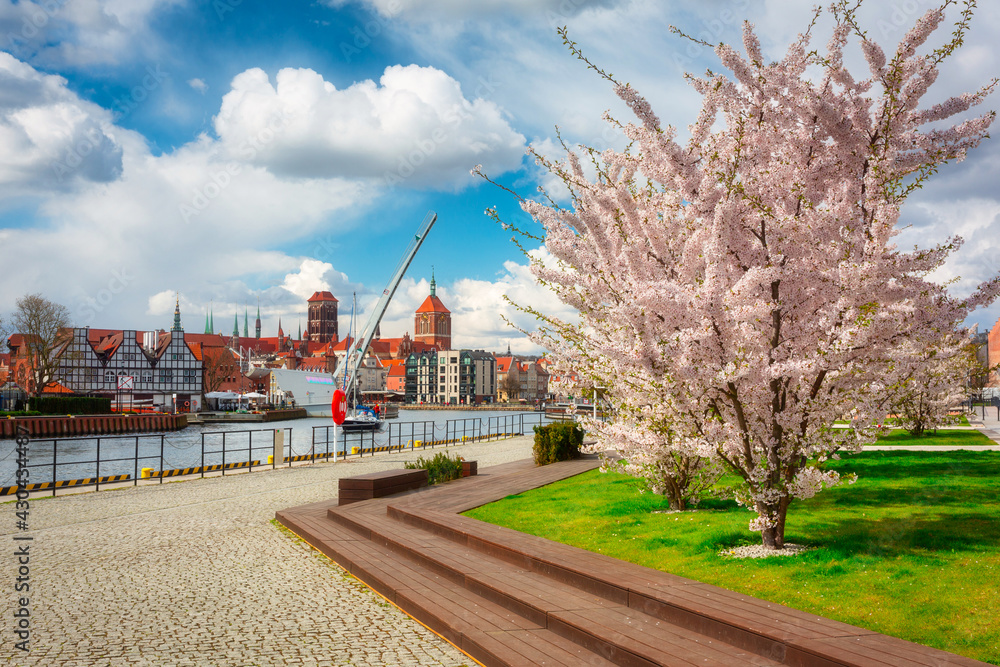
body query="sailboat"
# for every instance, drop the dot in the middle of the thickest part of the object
(359, 417)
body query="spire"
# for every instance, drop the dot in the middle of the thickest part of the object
(508, 348)
(207, 330)
(300, 330)
(177, 315)
(433, 284)
(236, 325)
(246, 321)
(257, 334)
(281, 334)
(211, 326)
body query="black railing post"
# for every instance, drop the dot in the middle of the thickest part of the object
(223, 453)
(161, 458)
(53, 468)
(203, 456)
(98, 465)
(135, 475)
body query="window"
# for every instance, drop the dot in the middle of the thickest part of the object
(109, 376)
(147, 376)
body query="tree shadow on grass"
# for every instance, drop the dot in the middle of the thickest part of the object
(946, 492)
(894, 536)
(927, 465)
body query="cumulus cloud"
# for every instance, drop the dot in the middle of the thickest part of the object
(50, 139)
(413, 127)
(78, 33)
(308, 279)
(198, 85)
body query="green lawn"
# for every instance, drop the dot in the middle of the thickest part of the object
(943, 438)
(911, 550)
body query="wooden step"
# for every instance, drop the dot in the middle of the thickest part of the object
(507, 598)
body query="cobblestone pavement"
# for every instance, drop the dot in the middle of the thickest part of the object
(195, 573)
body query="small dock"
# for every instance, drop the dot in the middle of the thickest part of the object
(209, 417)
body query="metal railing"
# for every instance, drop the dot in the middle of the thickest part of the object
(149, 458)
(61, 463)
(421, 434)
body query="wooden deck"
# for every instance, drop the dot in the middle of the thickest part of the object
(507, 598)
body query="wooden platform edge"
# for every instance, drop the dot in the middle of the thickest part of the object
(856, 646)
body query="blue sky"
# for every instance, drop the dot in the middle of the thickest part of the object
(236, 150)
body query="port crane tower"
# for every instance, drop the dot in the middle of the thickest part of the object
(360, 343)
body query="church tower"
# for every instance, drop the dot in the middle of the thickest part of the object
(257, 334)
(432, 321)
(177, 315)
(321, 324)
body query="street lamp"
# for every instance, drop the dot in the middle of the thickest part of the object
(595, 401)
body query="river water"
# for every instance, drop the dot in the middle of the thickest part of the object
(212, 444)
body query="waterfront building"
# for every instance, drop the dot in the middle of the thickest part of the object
(993, 353)
(422, 377)
(395, 380)
(135, 368)
(466, 377)
(530, 378)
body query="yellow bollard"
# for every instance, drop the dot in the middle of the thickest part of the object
(418, 443)
(270, 459)
(354, 450)
(147, 473)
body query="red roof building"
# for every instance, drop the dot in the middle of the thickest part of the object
(322, 319)
(432, 322)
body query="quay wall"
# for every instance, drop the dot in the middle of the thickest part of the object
(91, 424)
(495, 407)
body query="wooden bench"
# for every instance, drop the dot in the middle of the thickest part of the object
(380, 484)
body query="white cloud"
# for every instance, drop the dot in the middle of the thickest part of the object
(50, 139)
(414, 127)
(308, 279)
(79, 33)
(198, 85)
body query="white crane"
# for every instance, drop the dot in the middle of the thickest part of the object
(360, 343)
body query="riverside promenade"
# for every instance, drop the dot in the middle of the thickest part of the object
(196, 573)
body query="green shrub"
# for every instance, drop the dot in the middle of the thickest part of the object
(20, 413)
(71, 405)
(441, 468)
(559, 441)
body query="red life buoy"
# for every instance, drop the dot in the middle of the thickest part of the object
(339, 406)
(187, 404)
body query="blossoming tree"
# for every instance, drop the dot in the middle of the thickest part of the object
(739, 291)
(932, 382)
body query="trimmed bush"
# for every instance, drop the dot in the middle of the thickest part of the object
(559, 441)
(71, 405)
(441, 468)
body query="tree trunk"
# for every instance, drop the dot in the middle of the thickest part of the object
(774, 537)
